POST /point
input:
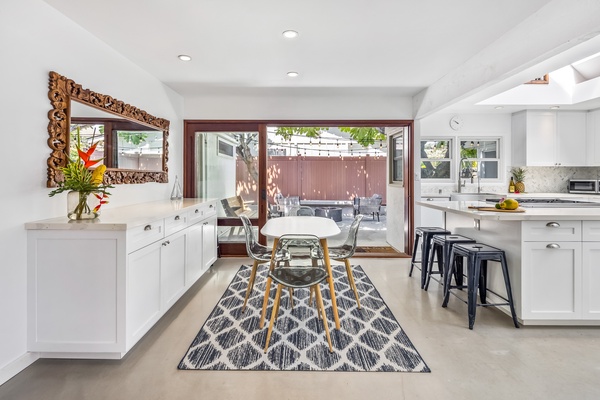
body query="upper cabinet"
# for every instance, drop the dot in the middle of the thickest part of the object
(549, 138)
(593, 138)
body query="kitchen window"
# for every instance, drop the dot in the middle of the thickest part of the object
(479, 156)
(436, 159)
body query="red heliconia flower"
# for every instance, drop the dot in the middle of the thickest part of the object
(85, 156)
(102, 199)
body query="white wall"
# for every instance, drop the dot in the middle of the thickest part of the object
(36, 39)
(475, 125)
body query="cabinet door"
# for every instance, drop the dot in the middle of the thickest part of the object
(593, 138)
(143, 291)
(194, 264)
(172, 268)
(209, 249)
(541, 138)
(571, 138)
(551, 280)
(590, 292)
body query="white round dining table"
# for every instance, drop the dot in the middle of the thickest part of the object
(300, 225)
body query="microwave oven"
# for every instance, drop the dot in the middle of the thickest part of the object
(583, 186)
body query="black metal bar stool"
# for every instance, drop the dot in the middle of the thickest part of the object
(441, 245)
(478, 255)
(425, 233)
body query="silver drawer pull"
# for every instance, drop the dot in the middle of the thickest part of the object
(166, 243)
(206, 223)
(197, 211)
(177, 218)
(552, 246)
(148, 228)
(553, 225)
(211, 206)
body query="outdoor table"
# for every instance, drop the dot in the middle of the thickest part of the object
(317, 226)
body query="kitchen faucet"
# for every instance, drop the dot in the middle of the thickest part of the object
(462, 184)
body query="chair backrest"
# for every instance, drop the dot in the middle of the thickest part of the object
(350, 243)
(249, 233)
(299, 261)
(305, 211)
(234, 206)
(369, 204)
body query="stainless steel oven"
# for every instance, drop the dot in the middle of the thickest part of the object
(583, 186)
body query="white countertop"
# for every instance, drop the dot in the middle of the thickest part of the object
(461, 207)
(121, 218)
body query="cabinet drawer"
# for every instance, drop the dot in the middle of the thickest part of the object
(544, 231)
(591, 231)
(200, 212)
(175, 223)
(143, 235)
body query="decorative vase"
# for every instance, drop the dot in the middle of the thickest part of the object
(81, 205)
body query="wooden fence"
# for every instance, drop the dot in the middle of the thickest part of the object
(317, 178)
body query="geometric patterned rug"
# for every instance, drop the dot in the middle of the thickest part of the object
(370, 339)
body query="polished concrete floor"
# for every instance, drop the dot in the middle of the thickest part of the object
(494, 361)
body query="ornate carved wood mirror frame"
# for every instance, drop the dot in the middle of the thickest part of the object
(62, 92)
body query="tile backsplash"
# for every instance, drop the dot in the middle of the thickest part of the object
(554, 179)
(537, 180)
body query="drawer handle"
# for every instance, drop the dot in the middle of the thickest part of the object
(206, 223)
(211, 206)
(552, 246)
(197, 211)
(148, 228)
(166, 243)
(553, 225)
(177, 218)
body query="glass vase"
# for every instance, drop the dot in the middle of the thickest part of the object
(80, 205)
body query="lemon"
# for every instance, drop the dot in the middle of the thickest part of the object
(511, 204)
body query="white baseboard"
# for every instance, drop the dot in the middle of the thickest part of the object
(16, 366)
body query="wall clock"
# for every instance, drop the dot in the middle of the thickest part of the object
(456, 122)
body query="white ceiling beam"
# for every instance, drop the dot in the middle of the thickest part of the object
(554, 29)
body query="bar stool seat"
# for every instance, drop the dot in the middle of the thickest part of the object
(441, 246)
(425, 234)
(478, 255)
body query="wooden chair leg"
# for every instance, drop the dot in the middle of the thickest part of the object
(250, 284)
(273, 315)
(351, 280)
(321, 309)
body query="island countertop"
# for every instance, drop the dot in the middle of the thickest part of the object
(530, 214)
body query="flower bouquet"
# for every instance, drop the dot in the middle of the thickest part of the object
(82, 182)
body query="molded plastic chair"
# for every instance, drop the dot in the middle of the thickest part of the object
(303, 267)
(345, 251)
(259, 253)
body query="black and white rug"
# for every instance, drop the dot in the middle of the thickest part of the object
(370, 339)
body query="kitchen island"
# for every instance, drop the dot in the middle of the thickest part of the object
(552, 256)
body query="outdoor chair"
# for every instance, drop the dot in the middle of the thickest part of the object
(345, 251)
(299, 263)
(304, 211)
(259, 253)
(369, 205)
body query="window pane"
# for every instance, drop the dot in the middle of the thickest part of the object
(489, 169)
(435, 149)
(397, 170)
(435, 169)
(397, 163)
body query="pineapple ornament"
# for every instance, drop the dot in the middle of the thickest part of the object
(519, 174)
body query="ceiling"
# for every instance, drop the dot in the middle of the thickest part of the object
(392, 46)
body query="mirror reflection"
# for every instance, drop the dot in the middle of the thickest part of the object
(122, 144)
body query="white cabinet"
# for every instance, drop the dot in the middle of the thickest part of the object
(430, 216)
(549, 138)
(593, 138)
(95, 288)
(560, 270)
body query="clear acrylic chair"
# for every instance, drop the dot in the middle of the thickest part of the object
(345, 251)
(299, 263)
(259, 253)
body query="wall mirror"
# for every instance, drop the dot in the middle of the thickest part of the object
(132, 143)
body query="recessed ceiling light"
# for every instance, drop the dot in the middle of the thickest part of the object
(184, 57)
(290, 34)
(554, 107)
(292, 74)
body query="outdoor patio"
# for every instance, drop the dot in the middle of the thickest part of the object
(372, 233)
